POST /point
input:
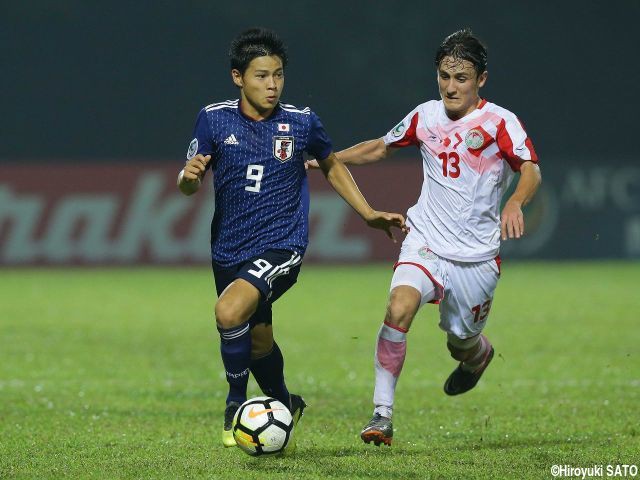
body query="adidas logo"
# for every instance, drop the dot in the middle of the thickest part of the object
(231, 140)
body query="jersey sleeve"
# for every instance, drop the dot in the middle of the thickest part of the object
(404, 133)
(319, 144)
(514, 144)
(202, 140)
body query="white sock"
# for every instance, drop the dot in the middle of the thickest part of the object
(475, 362)
(391, 349)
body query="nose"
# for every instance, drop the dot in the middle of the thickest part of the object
(271, 83)
(451, 87)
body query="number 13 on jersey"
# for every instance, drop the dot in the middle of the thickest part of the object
(450, 161)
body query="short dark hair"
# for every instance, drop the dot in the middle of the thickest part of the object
(255, 42)
(463, 45)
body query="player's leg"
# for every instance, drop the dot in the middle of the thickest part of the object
(233, 309)
(279, 272)
(474, 355)
(235, 340)
(410, 289)
(391, 345)
(464, 315)
(267, 363)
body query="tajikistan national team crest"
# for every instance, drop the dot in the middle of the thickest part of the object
(283, 148)
(474, 139)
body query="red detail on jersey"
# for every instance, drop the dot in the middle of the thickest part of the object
(482, 103)
(459, 140)
(506, 147)
(534, 155)
(396, 327)
(447, 142)
(409, 137)
(439, 288)
(505, 144)
(529, 144)
(488, 140)
(499, 264)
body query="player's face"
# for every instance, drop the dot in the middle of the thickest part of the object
(260, 86)
(459, 84)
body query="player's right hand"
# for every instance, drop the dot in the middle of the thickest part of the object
(196, 167)
(384, 221)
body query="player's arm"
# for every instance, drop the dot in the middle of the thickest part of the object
(342, 182)
(512, 224)
(190, 177)
(360, 154)
(365, 152)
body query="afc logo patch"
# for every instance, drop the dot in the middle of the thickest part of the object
(283, 148)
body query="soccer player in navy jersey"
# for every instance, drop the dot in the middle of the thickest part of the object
(259, 233)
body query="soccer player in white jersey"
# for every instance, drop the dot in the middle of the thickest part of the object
(471, 149)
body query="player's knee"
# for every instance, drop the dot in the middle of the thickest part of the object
(226, 315)
(400, 312)
(462, 349)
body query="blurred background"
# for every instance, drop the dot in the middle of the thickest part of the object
(99, 100)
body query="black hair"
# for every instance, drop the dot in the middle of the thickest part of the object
(255, 42)
(463, 45)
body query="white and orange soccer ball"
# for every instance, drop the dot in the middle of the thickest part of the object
(262, 426)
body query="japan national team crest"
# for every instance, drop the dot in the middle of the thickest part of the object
(283, 148)
(474, 139)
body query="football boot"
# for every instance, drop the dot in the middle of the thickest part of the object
(461, 381)
(227, 429)
(378, 430)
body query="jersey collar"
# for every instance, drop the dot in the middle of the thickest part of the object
(275, 111)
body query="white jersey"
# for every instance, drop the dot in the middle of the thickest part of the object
(468, 164)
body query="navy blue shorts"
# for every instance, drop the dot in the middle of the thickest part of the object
(272, 273)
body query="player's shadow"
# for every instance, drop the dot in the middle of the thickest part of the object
(396, 462)
(345, 462)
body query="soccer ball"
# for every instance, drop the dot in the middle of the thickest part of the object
(262, 426)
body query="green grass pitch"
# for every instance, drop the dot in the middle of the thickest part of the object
(116, 373)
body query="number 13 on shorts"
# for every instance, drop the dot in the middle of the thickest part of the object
(480, 312)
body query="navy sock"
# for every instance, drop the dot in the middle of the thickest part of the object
(235, 347)
(269, 373)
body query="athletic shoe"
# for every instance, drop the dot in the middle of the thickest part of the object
(297, 410)
(297, 407)
(227, 429)
(461, 381)
(378, 430)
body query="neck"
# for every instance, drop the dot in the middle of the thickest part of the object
(251, 111)
(459, 115)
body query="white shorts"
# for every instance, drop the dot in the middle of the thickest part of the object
(463, 290)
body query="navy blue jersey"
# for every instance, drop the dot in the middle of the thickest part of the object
(260, 183)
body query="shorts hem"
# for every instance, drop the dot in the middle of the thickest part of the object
(439, 287)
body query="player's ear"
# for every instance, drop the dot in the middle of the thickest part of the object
(236, 76)
(482, 79)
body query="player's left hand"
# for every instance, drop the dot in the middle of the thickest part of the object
(311, 164)
(384, 221)
(512, 225)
